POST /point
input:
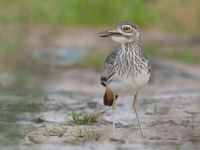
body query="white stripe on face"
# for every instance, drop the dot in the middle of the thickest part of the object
(121, 39)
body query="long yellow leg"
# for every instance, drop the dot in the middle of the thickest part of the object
(114, 111)
(135, 108)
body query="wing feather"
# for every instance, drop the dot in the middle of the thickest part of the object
(109, 68)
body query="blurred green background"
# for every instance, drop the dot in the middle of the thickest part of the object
(19, 17)
(176, 16)
(180, 17)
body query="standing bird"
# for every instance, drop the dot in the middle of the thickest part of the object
(126, 70)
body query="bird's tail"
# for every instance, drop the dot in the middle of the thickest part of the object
(109, 97)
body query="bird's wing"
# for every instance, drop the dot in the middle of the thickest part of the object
(109, 68)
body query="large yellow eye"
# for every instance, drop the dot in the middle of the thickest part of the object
(126, 28)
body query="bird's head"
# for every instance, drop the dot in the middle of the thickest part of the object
(123, 32)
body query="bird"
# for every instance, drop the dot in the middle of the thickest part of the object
(126, 70)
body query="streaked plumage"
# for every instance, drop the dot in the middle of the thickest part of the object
(126, 70)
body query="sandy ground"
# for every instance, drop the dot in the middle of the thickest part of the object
(168, 107)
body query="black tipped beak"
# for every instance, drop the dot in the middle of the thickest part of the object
(108, 33)
(104, 34)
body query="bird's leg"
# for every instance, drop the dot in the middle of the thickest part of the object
(114, 111)
(135, 109)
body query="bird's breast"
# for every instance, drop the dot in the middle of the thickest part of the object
(127, 85)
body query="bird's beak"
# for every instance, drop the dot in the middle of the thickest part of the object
(109, 33)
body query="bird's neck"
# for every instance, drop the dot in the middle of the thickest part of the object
(133, 48)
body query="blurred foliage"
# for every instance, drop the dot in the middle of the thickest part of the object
(183, 53)
(15, 16)
(11, 46)
(179, 15)
(14, 61)
(94, 60)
